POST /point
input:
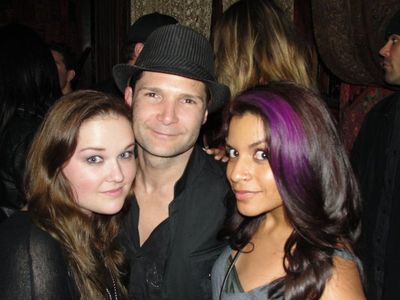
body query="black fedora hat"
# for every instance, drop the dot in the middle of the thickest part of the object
(178, 50)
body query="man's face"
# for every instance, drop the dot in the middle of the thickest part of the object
(168, 111)
(391, 59)
(62, 70)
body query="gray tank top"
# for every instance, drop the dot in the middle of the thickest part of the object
(260, 293)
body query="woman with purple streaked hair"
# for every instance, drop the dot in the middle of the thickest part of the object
(297, 204)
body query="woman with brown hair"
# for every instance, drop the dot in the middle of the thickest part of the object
(79, 172)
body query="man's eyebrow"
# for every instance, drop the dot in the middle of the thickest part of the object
(183, 94)
(188, 95)
(149, 88)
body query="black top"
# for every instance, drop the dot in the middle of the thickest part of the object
(188, 237)
(32, 263)
(149, 260)
(376, 161)
(14, 145)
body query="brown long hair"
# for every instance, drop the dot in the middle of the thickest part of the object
(255, 43)
(89, 243)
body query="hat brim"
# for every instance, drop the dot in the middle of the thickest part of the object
(219, 92)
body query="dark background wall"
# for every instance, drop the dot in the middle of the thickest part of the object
(345, 36)
(93, 29)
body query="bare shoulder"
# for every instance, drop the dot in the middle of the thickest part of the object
(345, 282)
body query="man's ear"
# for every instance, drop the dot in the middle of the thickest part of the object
(128, 95)
(70, 75)
(205, 117)
(138, 48)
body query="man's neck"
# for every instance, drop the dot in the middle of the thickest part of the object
(159, 173)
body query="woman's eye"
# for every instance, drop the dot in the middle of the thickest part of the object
(95, 159)
(231, 153)
(126, 155)
(261, 155)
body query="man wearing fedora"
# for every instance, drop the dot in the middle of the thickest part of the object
(170, 231)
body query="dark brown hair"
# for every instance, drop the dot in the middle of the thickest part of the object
(320, 195)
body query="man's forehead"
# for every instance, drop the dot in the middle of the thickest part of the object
(158, 79)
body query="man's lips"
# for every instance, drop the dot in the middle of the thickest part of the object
(385, 64)
(164, 133)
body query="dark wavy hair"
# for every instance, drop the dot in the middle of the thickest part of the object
(320, 195)
(28, 73)
(89, 243)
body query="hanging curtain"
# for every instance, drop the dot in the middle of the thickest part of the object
(349, 35)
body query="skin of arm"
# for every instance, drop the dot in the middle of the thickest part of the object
(345, 282)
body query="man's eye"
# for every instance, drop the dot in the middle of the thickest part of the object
(189, 101)
(95, 159)
(261, 155)
(394, 38)
(150, 94)
(231, 153)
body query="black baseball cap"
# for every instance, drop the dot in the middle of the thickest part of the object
(145, 25)
(394, 25)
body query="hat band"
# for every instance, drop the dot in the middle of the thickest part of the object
(177, 66)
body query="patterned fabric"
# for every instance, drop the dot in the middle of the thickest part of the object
(355, 102)
(193, 13)
(349, 35)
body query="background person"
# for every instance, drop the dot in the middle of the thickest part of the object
(136, 36)
(66, 66)
(80, 169)
(375, 158)
(297, 203)
(28, 86)
(255, 43)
